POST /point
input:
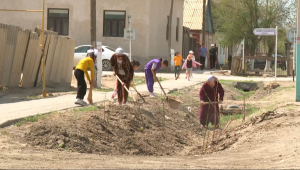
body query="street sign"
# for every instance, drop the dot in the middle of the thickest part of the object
(291, 35)
(264, 31)
(127, 34)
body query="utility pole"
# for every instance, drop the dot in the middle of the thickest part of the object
(298, 54)
(93, 29)
(170, 31)
(203, 24)
(129, 25)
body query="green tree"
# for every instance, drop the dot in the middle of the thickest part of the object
(236, 19)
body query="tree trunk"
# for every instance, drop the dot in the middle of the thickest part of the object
(93, 29)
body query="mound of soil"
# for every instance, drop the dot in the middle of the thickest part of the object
(226, 140)
(148, 133)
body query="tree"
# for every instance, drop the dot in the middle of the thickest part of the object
(236, 19)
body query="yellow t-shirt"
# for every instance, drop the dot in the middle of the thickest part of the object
(177, 60)
(84, 64)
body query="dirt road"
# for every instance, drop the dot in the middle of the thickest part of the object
(269, 140)
(273, 143)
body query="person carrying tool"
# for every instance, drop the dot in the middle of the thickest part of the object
(211, 95)
(135, 65)
(177, 61)
(79, 72)
(150, 72)
(123, 69)
(189, 64)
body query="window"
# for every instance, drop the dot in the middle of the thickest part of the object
(114, 23)
(168, 25)
(58, 21)
(177, 30)
(82, 49)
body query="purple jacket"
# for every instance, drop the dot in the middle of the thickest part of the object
(149, 65)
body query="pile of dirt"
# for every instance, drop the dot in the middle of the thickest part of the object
(148, 133)
(224, 140)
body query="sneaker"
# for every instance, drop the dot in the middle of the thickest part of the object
(80, 102)
(152, 94)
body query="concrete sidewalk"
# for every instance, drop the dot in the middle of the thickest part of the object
(12, 112)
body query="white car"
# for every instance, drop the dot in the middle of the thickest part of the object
(107, 52)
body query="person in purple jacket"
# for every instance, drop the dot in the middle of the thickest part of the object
(150, 72)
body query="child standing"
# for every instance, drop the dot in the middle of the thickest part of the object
(177, 61)
(189, 64)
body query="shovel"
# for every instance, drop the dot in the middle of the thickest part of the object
(173, 102)
(125, 88)
(138, 93)
(90, 95)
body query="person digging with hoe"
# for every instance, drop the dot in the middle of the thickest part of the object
(79, 72)
(150, 72)
(124, 70)
(211, 95)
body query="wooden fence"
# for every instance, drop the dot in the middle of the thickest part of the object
(21, 57)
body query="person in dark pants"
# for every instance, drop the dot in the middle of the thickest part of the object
(79, 72)
(229, 61)
(213, 54)
(177, 61)
(203, 53)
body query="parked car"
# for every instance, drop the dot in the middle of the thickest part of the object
(107, 52)
(260, 64)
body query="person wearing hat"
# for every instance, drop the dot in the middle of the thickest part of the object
(211, 95)
(213, 55)
(124, 70)
(192, 54)
(80, 70)
(189, 64)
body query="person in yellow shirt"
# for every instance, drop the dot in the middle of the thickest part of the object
(177, 61)
(79, 72)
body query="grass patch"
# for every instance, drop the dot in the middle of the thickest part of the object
(248, 95)
(86, 109)
(31, 119)
(286, 88)
(290, 107)
(176, 93)
(103, 89)
(4, 132)
(141, 80)
(138, 81)
(228, 82)
(224, 119)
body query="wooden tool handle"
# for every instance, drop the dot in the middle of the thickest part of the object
(161, 86)
(125, 87)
